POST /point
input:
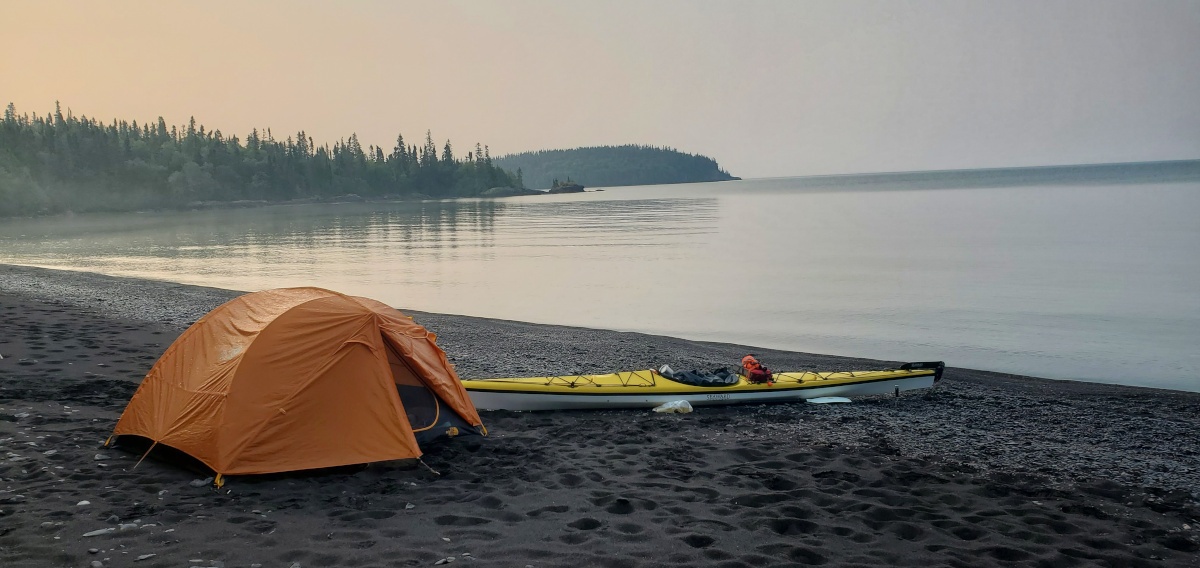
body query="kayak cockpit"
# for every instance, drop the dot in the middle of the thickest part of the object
(717, 379)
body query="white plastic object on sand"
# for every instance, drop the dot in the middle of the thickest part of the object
(674, 407)
(828, 399)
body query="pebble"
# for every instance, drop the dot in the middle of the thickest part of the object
(99, 532)
(97, 564)
(201, 482)
(82, 503)
(127, 526)
(445, 560)
(93, 551)
(113, 519)
(100, 457)
(409, 506)
(295, 565)
(256, 565)
(144, 557)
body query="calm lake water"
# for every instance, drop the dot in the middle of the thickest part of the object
(1097, 283)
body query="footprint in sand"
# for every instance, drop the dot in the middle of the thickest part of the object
(838, 476)
(585, 524)
(458, 521)
(490, 502)
(968, 532)
(698, 540)
(789, 527)
(620, 507)
(806, 556)
(574, 538)
(549, 509)
(907, 531)
(1008, 554)
(570, 480)
(630, 528)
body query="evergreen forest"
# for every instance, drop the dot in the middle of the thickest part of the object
(59, 163)
(607, 166)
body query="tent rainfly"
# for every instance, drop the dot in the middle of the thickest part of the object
(299, 378)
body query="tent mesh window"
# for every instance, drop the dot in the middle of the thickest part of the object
(421, 405)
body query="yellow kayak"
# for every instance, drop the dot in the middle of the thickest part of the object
(650, 388)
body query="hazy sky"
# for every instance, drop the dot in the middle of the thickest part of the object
(766, 88)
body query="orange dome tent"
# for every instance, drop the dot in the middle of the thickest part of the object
(299, 378)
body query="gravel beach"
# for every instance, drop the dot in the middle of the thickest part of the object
(984, 469)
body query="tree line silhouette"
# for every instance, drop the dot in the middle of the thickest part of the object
(56, 163)
(613, 166)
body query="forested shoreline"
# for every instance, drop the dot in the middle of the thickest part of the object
(608, 166)
(59, 162)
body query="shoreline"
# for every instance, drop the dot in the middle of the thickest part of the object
(1158, 171)
(985, 469)
(179, 305)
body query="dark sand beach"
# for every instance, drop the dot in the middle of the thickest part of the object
(986, 469)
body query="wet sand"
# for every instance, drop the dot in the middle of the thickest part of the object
(985, 469)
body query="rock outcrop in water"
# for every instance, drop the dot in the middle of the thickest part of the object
(566, 187)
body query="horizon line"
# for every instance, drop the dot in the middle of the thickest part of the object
(1000, 168)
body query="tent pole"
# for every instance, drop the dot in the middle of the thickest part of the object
(139, 462)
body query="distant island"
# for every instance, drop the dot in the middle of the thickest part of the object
(565, 187)
(65, 163)
(607, 166)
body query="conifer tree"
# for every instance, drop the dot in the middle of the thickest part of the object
(429, 152)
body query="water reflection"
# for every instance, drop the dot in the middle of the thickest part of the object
(295, 240)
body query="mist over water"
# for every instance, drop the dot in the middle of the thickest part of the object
(1088, 282)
